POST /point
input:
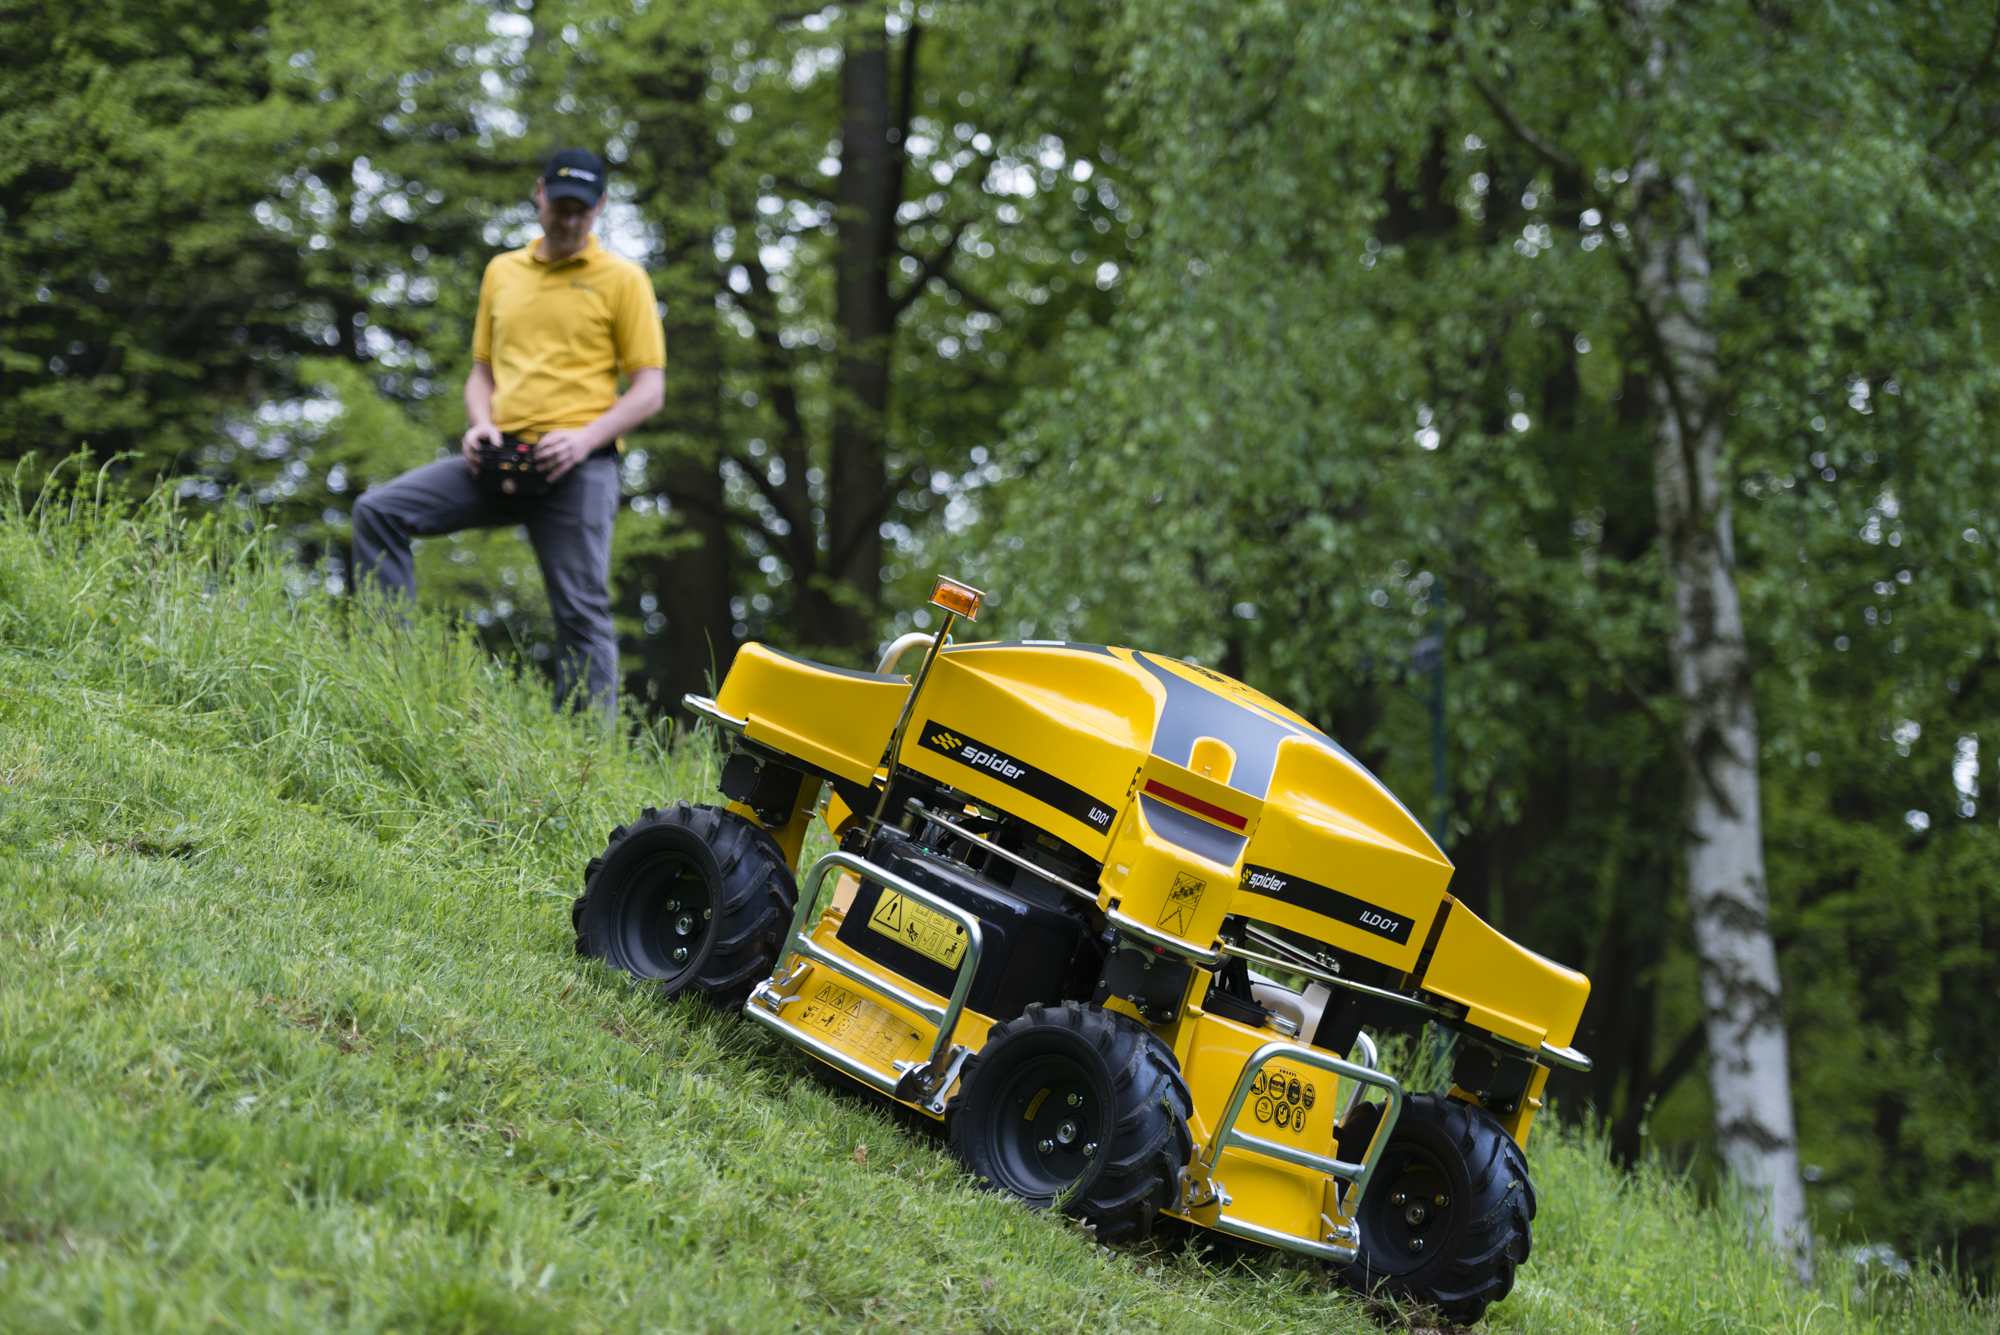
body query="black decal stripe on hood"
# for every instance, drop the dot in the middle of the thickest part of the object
(1016, 773)
(1327, 902)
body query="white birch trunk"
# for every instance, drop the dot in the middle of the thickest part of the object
(1749, 1070)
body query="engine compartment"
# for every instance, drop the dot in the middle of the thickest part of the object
(1037, 947)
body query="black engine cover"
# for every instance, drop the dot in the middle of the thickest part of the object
(1030, 951)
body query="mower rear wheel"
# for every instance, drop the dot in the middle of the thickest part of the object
(1447, 1215)
(1078, 1109)
(693, 896)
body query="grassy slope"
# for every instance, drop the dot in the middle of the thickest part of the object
(291, 1035)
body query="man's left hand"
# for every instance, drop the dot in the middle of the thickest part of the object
(559, 451)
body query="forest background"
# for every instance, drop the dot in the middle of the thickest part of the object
(1295, 339)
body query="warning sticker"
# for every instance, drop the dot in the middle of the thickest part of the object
(831, 1009)
(861, 1026)
(922, 929)
(1178, 915)
(1283, 1098)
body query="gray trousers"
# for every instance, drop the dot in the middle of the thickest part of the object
(571, 532)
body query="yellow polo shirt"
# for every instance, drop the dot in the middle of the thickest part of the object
(558, 335)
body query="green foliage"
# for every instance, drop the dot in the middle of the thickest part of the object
(294, 1038)
(1382, 365)
(203, 193)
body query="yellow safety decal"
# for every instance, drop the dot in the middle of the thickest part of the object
(1178, 915)
(831, 1008)
(1035, 1105)
(861, 1026)
(923, 930)
(1284, 1098)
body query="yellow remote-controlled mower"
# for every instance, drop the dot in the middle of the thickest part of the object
(1119, 923)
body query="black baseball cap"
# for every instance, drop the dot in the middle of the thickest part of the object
(575, 173)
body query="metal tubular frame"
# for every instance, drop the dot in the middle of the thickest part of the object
(929, 1081)
(1330, 979)
(1342, 1241)
(1299, 955)
(1172, 945)
(1025, 864)
(1369, 1058)
(1569, 1057)
(1290, 960)
(703, 707)
(900, 646)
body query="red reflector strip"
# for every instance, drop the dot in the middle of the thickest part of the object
(1196, 805)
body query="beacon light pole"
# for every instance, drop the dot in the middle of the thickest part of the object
(955, 600)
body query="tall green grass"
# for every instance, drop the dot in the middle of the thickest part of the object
(292, 1036)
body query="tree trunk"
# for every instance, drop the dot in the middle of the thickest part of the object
(870, 188)
(693, 583)
(1749, 1069)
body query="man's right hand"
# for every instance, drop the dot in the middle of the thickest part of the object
(474, 438)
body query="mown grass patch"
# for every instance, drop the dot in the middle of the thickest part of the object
(292, 1036)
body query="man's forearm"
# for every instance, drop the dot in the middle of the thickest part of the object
(481, 394)
(635, 405)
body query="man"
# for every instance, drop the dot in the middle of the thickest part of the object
(558, 321)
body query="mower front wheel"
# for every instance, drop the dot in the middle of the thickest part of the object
(1078, 1109)
(1447, 1215)
(695, 897)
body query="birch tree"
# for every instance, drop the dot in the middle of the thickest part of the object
(1723, 837)
(1670, 288)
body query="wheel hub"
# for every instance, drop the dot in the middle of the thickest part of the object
(1413, 1218)
(1047, 1130)
(663, 918)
